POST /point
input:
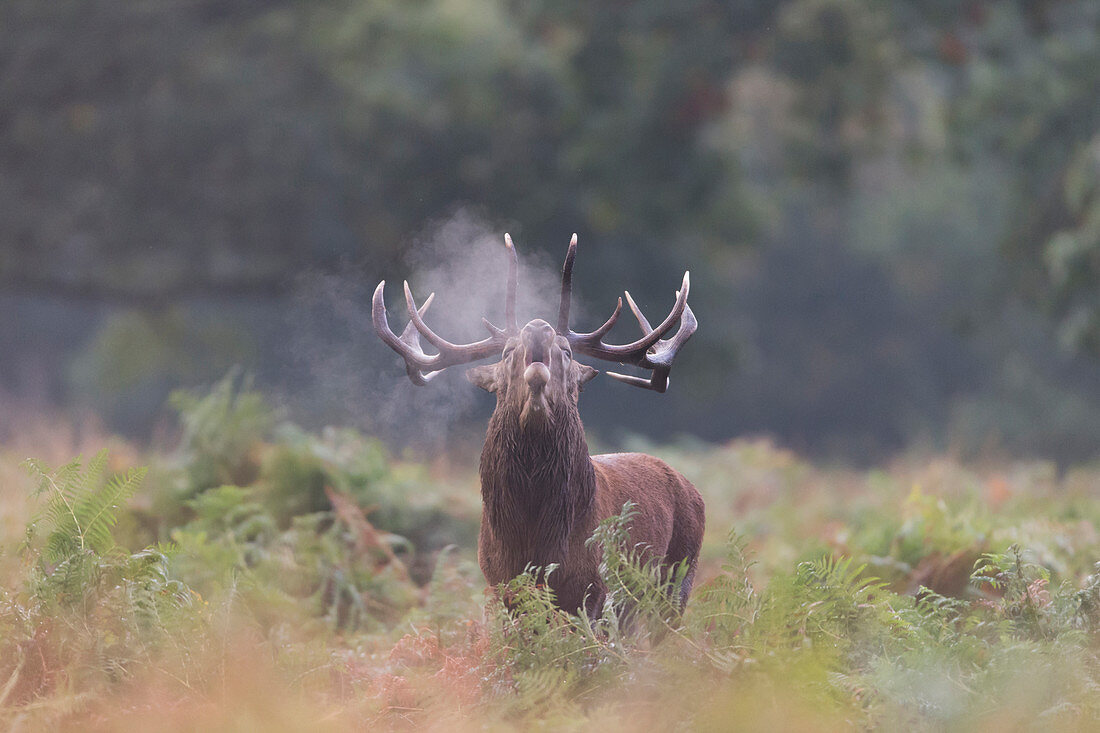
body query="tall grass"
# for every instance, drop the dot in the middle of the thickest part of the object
(259, 576)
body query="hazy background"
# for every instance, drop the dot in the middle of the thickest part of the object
(891, 210)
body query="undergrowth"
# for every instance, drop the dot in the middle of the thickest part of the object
(259, 576)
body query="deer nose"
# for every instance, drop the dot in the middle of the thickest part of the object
(537, 336)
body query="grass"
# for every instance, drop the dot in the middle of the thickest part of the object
(265, 578)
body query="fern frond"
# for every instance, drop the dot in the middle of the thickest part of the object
(639, 587)
(81, 508)
(96, 511)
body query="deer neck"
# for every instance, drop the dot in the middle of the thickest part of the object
(537, 482)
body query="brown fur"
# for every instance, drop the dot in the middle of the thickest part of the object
(543, 495)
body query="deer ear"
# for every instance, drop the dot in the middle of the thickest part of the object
(484, 376)
(585, 374)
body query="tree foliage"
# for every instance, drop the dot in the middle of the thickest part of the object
(876, 199)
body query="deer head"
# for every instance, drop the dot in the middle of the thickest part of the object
(537, 374)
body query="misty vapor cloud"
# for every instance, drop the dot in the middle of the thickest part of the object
(463, 261)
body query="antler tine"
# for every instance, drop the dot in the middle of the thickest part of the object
(410, 336)
(567, 296)
(513, 277)
(567, 287)
(414, 317)
(634, 352)
(382, 325)
(660, 360)
(493, 330)
(646, 328)
(600, 332)
(408, 345)
(648, 352)
(420, 366)
(410, 328)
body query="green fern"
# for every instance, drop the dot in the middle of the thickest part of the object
(81, 507)
(1087, 602)
(640, 589)
(144, 577)
(219, 430)
(549, 659)
(725, 608)
(546, 656)
(109, 611)
(837, 595)
(1025, 600)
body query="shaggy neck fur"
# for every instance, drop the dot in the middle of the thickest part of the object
(537, 481)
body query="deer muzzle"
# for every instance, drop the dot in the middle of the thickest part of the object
(536, 407)
(537, 338)
(536, 375)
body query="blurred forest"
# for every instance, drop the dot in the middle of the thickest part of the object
(891, 210)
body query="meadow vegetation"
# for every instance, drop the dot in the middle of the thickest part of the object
(258, 576)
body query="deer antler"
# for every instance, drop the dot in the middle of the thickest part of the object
(649, 352)
(421, 366)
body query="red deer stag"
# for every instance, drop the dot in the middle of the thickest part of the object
(543, 495)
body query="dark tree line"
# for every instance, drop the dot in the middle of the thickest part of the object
(891, 210)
